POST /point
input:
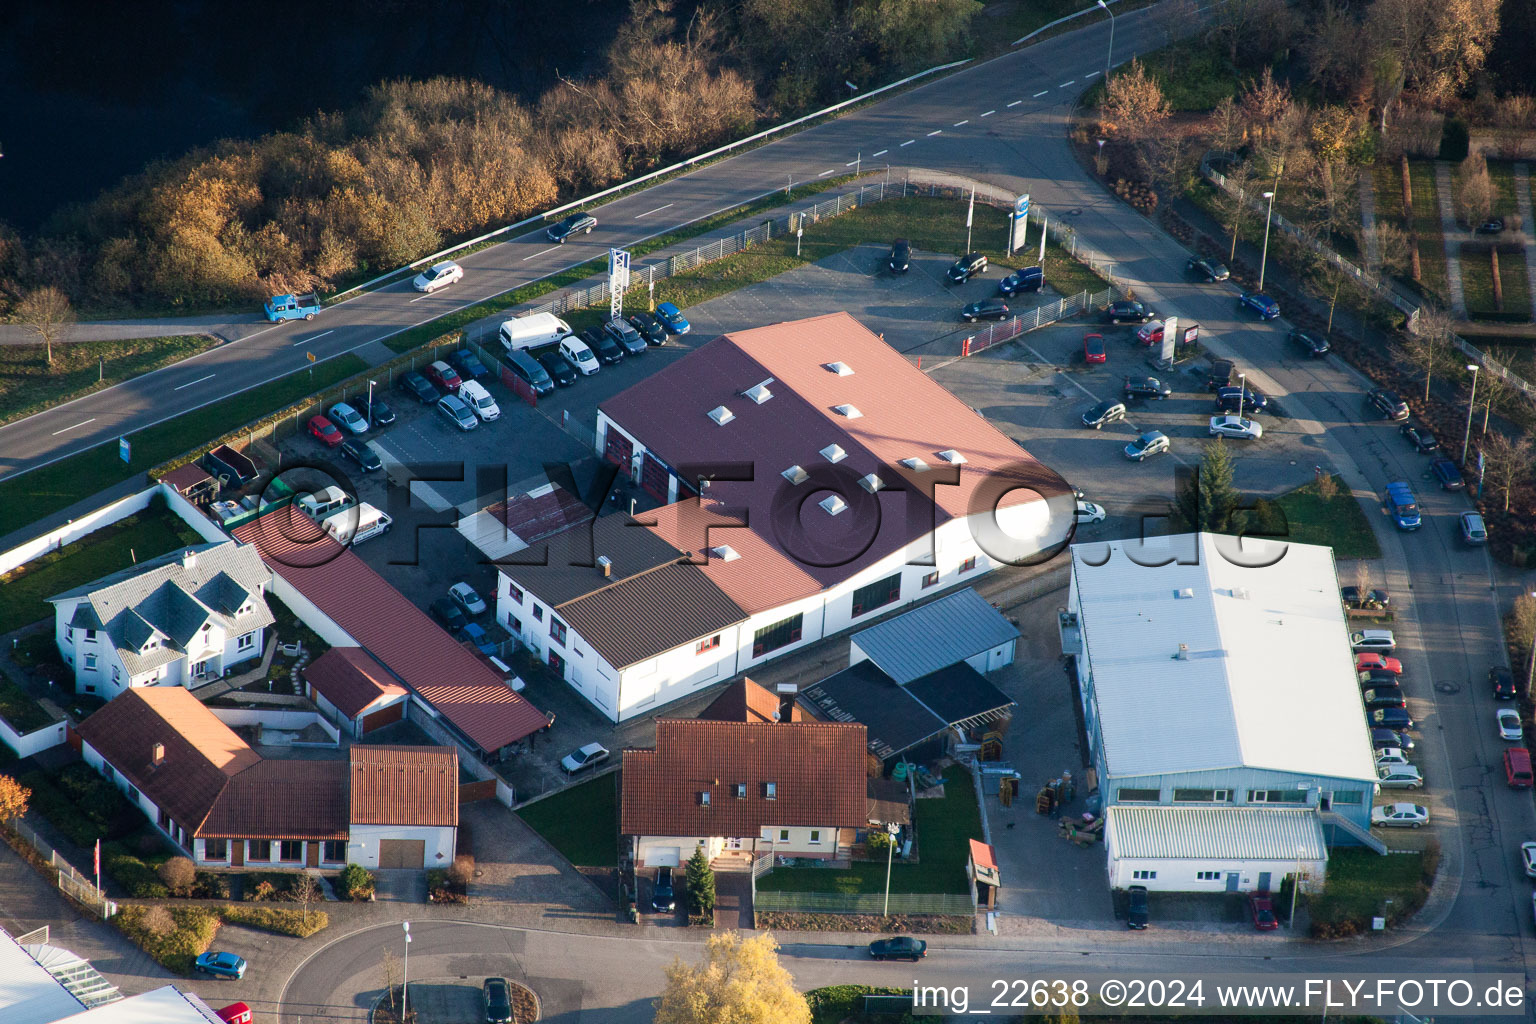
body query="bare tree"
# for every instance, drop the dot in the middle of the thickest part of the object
(1508, 461)
(1391, 243)
(46, 312)
(1363, 577)
(1232, 202)
(1429, 350)
(305, 891)
(1494, 393)
(389, 971)
(1227, 126)
(1475, 195)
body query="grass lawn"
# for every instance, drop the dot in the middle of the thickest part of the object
(1340, 523)
(1426, 219)
(943, 829)
(24, 589)
(44, 491)
(1477, 282)
(1360, 881)
(582, 822)
(28, 384)
(1503, 174)
(1517, 285)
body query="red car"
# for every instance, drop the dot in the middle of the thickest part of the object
(1365, 661)
(1151, 334)
(1093, 348)
(1263, 911)
(325, 431)
(444, 376)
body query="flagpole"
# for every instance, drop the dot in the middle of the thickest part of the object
(969, 215)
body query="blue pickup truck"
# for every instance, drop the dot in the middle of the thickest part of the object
(292, 307)
(1405, 510)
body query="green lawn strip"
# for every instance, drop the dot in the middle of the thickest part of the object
(1340, 523)
(1477, 282)
(28, 385)
(1426, 217)
(943, 830)
(24, 590)
(582, 822)
(1389, 194)
(47, 490)
(835, 1004)
(1503, 174)
(1517, 285)
(1359, 884)
(172, 936)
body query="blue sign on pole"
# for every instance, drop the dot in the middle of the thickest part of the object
(124, 449)
(1021, 205)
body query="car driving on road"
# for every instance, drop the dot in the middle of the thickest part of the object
(222, 965)
(902, 947)
(1208, 269)
(1309, 344)
(439, 275)
(1153, 442)
(984, 309)
(576, 222)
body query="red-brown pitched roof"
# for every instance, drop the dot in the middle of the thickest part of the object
(746, 701)
(404, 786)
(468, 693)
(817, 768)
(351, 679)
(276, 798)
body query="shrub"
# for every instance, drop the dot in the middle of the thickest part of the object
(463, 869)
(210, 886)
(179, 874)
(157, 922)
(279, 920)
(261, 892)
(192, 932)
(356, 882)
(137, 878)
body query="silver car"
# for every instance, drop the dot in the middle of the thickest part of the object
(583, 758)
(1398, 776)
(461, 415)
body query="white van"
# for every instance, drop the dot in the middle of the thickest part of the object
(355, 525)
(579, 355)
(532, 331)
(323, 502)
(473, 394)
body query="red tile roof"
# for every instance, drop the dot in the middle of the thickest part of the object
(465, 689)
(817, 768)
(746, 701)
(282, 799)
(404, 786)
(351, 679)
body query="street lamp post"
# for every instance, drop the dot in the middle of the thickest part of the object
(1466, 438)
(405, 976)
(371, 383)
(1099, 163)
(1264, 257)
(1242, 393)
(1109, 61)
(892, 831)
(1295, 884)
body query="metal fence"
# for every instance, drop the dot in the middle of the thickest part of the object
(73, 884)
(1038, 317)
(948, 904)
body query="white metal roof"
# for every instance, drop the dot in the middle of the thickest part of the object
(28, 993)
(1209, 652)
(165, 1005)
(934, 636)
(1215, 833)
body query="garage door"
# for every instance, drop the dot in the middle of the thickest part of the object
(618, 450)
(402, 853)
(663, 857)
(655, 477)
(383, 717)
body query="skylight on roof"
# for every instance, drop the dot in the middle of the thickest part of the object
(871, 483)
(915, 465)
(724, 552)
(759, 393)
(795, 475)
(834, 453)
(850, 411)
(840, 368)
(952, 457)
(721, 415)
(833, 504)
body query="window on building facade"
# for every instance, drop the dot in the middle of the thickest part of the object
(780, 634)
(90, 662)
(930, 580)
(557, 631)
(557, 663)
(1144, 876)
(514, 592)
(815, 837)
(291, 849)
(877, 594)
(514, 625)
(245, 642)
(1277, 796)
(117, 674)
(1205, 796)
(334, 851)
(770, 791)
(1138, 796)
(259, 849)
(90, 634)
(741, 791)
(968, 564)
(783, 835)
(709, 643)
(538, 614)
(215, 849)
(165, 820)
(1349, 796)
(1208, 876)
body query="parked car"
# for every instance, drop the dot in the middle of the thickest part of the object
(1146, 387)
(417, 386)
(448, 614)
(457, 413)
(672, 318)
(1208, 269)
(1419, 437)
(1390, 756)
(966, 267)
(1151, 334)
(1449, 475)
(324, 431)
(1377, 677)
(650, 328)
(1502, 682)
(463, 595)
(1382, 738)
(582, 758)
(1528, 858)
(1390, 718)
(623, 332)
(222, 965)
(1093, 349)
(344, 415)
(663, 896)
(1399, 816)
(1259, 304)
(1383, 697)
(444, 376)
(1153, 442)
(1387, 403)
(1491, 226)
(468, 364)
(1236, 426)
(1262, 909)
(438, 275)
(1219, 375)
(984, 309)
(1378, 640)
(607, 350)
(1027, 279)
(902, 947)
(1087, 512)
(573, 223)
(362, 453)
(1247, 398)
(901, 256)
(1374, 598)
(1137, 915)
(1371, 660)
(579, 356)
(475, 635)
(1127, 311)
(497, 998)
(1510, 729)
(1473, 529)
(559, 370)
(376, 412)
(474, 394)
(1309, 344)
(1104, 412)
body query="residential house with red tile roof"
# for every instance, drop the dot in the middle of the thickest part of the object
(224, 804)
(838, 482)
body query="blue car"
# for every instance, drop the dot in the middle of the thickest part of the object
(1265, 307)
(224, 965)
(672, 318)
(476, 634)
(1027, 280)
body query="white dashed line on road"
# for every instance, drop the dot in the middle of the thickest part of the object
(541, 252)
(415, 300)
(322, 334)
(881, 153)
(82, 423)
(831, 170)
(1015, 103)
(191, 382)
(957, 124)
(850, 163)
(647, 213)
(989, 113)
(1042, 92)
(936, 131)
(907, 143)
(1090, 74)
(1063, 85)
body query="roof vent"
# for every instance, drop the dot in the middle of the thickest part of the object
(1241, 593)
(840, 368)
(952, 457)
(1183, 594)
(721, 415)
(850, 411)
(759, 393)
(795, 475)
(606, 564)
(724, 552)
(833, 504)
(1183, 654)
(915, 465)
(834, 453)
(871, 483)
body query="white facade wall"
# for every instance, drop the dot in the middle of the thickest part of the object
(27, 744)
(110, 677)
(1181, 875)
(274, 718)
(802, 841)
(363, 846)
(75, 529)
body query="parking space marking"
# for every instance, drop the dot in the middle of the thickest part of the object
(82, 423)
(907, 143)
(1015, 103)
(647, 213)
(989, 113)
(830, 170)
(882, 152)
(322, 334)
(936, 131)
(957, 124)
(1042, 92)
(191, 382)
(541, 252)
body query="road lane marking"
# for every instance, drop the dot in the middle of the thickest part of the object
(1042, 92)
(541, 252)
(881, 153)
(82, 423)
(647, 213)
(957, 124)
(936, 131)
(1090, 74)
(1063, 85)
(907, 143)
(823, 174)
(322, 334)
(989, 113)
(850, 163)
(1015, 103)
(191, 382)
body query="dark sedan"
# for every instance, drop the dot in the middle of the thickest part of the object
(604, 347)
(901, 256)
(985, 309)
(378, 413)
(359, 451)
(966, 267)
(468, 364)
(561, 230)
(1448, 473)
(558, 368)
(1390, 718)
(1029, 279)
(1137, 915)
(1382, 738)
(1419, 436)
(1208, 269)
(1502, 682)
(1146, 387)
(1309, 344)
(902, 947)
(1387, 403)
(1383, 697)
(1127, 311)
(449, 615)
(1228, 399)
(650, 328)
(417, 386)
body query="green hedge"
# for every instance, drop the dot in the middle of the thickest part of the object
(137, 878)
(176, 949)
(279, 920)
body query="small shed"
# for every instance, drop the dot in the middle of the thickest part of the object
(353, 690)
(193, 483)
(985, 873)
(960, 627)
